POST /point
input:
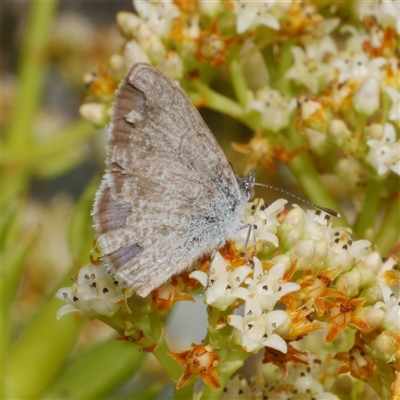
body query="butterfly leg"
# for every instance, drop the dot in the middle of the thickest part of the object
(250, 228)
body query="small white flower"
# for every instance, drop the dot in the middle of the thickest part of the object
(357, 67)
(94, 293)
(394, 94)
(338, 130)
(389, 264)
(386, 12)
(384, 154)
(263, 221)
(356, 39)
(342, 243)
(308, 107)
(267, 286)
(150, 42)
(274, 109)
(391, 305)
(320, 42)
(133, 53)
(309, 71)
(172, 65)
(223, 282)
(256, 329)
(128, 23)
(96, 113)
(251, 14)
(158, 15)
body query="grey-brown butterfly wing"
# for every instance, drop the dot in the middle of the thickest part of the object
(153, 117)
(167, 194)
(159, 221)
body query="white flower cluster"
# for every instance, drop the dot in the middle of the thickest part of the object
(310, 242)
(384, 154)
(263, 221)
(251, 14)
(301, 384)
(259, 289)
(274, 109)
(94, 293)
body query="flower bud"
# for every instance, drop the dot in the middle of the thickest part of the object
(366, 99)
(384, 347)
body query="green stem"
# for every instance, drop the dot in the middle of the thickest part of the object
(238, 81)
(277, 67)
(225, 370)
(308, 178)
(31, 74)
(370, 208)
(185, 393)
(389, 231)
(216, 101)
(30, 86)
(172, 368)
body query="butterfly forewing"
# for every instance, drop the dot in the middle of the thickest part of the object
(153, 117)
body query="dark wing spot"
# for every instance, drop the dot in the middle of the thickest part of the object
(123, 255)
(109, 214)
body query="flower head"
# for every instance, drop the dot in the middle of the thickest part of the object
(199, 360)
(93, 293)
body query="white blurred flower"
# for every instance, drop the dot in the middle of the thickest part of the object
(158, 15)
(384, 154)
(172, 65)
(366, 99)
(309, 69)
(356, 38)
(388, 264)
(391, 306)
(394, 113)
(96, 113)
(386, 12)
(133, 53)
(274, 109)
(358, 67)
(94, 293)
(251, 14)
(209, 8)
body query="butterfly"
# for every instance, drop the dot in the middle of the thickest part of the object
(169, 194)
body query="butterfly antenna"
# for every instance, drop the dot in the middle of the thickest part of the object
(333, 213)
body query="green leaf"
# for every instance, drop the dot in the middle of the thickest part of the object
(98, 372)
(36, 358)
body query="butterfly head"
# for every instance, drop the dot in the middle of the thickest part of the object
(246, 186)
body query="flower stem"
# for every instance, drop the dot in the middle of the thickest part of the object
(31, 73)
(19, 138)
(172, 368)
(304, 170)
(389, 232)
(369, 209)
(225, 370)
(214, 100)
(239, 82)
